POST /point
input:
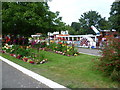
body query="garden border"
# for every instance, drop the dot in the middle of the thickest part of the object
(36, 76)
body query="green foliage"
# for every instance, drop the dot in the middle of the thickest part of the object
(91, 18)
(40, 45)
(52, 46)
(21, 50)
(115, 16)
(110, 61)
(70, 29)
(75, 26)
(43, 44)
(28, 18)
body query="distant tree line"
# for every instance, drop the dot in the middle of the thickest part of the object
(26, 18)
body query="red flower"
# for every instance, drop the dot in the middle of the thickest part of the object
(11, 54)
(3, 51)
(32, 62)
(19, 56)
(60, 42)
(25, 58)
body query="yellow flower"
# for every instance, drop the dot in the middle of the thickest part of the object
(68, 50)
(63, 45)
(75, 54)
(67, 46)
(27, 47)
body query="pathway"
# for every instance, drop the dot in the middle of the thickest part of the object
(13, 78)
(95, 52)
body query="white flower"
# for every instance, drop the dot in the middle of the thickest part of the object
(6, 47)
(63, 53)
(43, 60)
(6, 44)
(11, 46)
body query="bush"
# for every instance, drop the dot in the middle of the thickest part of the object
(110, 60)
(52, 46)
(21, 50)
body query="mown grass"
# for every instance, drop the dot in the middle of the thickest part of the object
(72, 72)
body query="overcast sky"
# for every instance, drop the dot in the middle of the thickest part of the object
(71, 10)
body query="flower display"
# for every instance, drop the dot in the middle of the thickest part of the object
(63, 49)
(23, 53)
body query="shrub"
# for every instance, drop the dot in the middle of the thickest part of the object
(21, 50)
(52, 46)
(43, 44)
(110, 60)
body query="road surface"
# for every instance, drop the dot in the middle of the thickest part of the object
(13, 78)
(95, 52)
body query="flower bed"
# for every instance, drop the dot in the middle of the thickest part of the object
(61, 48)
(23, 53)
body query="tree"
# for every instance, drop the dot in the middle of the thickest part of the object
(115, 16)
(75, 26)
(91, 18)
(104, 24)
(27, 18)
(70, 29)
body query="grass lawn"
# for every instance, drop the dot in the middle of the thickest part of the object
(72, 72)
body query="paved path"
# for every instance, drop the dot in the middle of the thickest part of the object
(13, 78)
(89, 51)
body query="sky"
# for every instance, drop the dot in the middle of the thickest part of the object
(71, 10)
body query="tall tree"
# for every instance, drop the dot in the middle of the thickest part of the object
(115, 16)
(91, 18)
(104, 24)
(27, 18)
(75, 26)
(70, 30)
